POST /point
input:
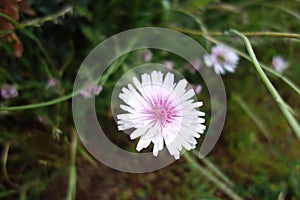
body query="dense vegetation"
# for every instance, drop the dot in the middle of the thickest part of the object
(43, 44)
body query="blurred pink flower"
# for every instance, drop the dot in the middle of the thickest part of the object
(52, 82)
(42, 120)
(90, 90)
(9, 91)
(146, 55)
(198, 88)
(161, 112)
(279, 63)
(196, 65)
(221, 59)
(169, 64)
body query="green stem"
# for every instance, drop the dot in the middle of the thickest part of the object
(283, 78)
(72, 170)
(4, 157)
(280, 102)
(212, 178)
(38, 22)
(116, 64)
(248, 33)
(86, 155)
(215, 169)
(199, 23)
(38, 105)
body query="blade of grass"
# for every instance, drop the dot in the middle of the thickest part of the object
(283, 8)
(215, 169)
(4, 157)
(117, 64)
(86, 155)
(212, 178)
(280, 102)
(72, 169)
(199, 22)
(252, 116)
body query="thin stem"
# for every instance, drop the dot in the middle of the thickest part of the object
(283, 78)
(72, 169)
(38, 105)
(115, 65)
(215, 169)
(199, 22)
(86, 155)
(36, 22)
(219, 33)
(253, 117)
(212, 178)
(39, 21)
(4, 157)
(280, 102)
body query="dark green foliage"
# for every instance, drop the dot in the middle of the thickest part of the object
(39, 154)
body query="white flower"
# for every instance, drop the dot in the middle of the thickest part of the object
(161, 111)
(279, 63)
(221, 59)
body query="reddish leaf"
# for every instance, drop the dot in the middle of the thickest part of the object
(11, 8)
(25, 8)
(18, 47)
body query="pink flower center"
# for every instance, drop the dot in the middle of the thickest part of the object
(162, 113)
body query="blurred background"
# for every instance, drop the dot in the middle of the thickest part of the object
(44, 42)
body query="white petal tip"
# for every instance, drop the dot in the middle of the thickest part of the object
(155, 153)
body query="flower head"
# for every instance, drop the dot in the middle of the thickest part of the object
(196, 65)
(221, 59)
(198, 88)
(52, 82)
(9, 91)
(279, 63)
(42, 120)
(146, 55)
(90, 90)
(169, 64)
(161, 111)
